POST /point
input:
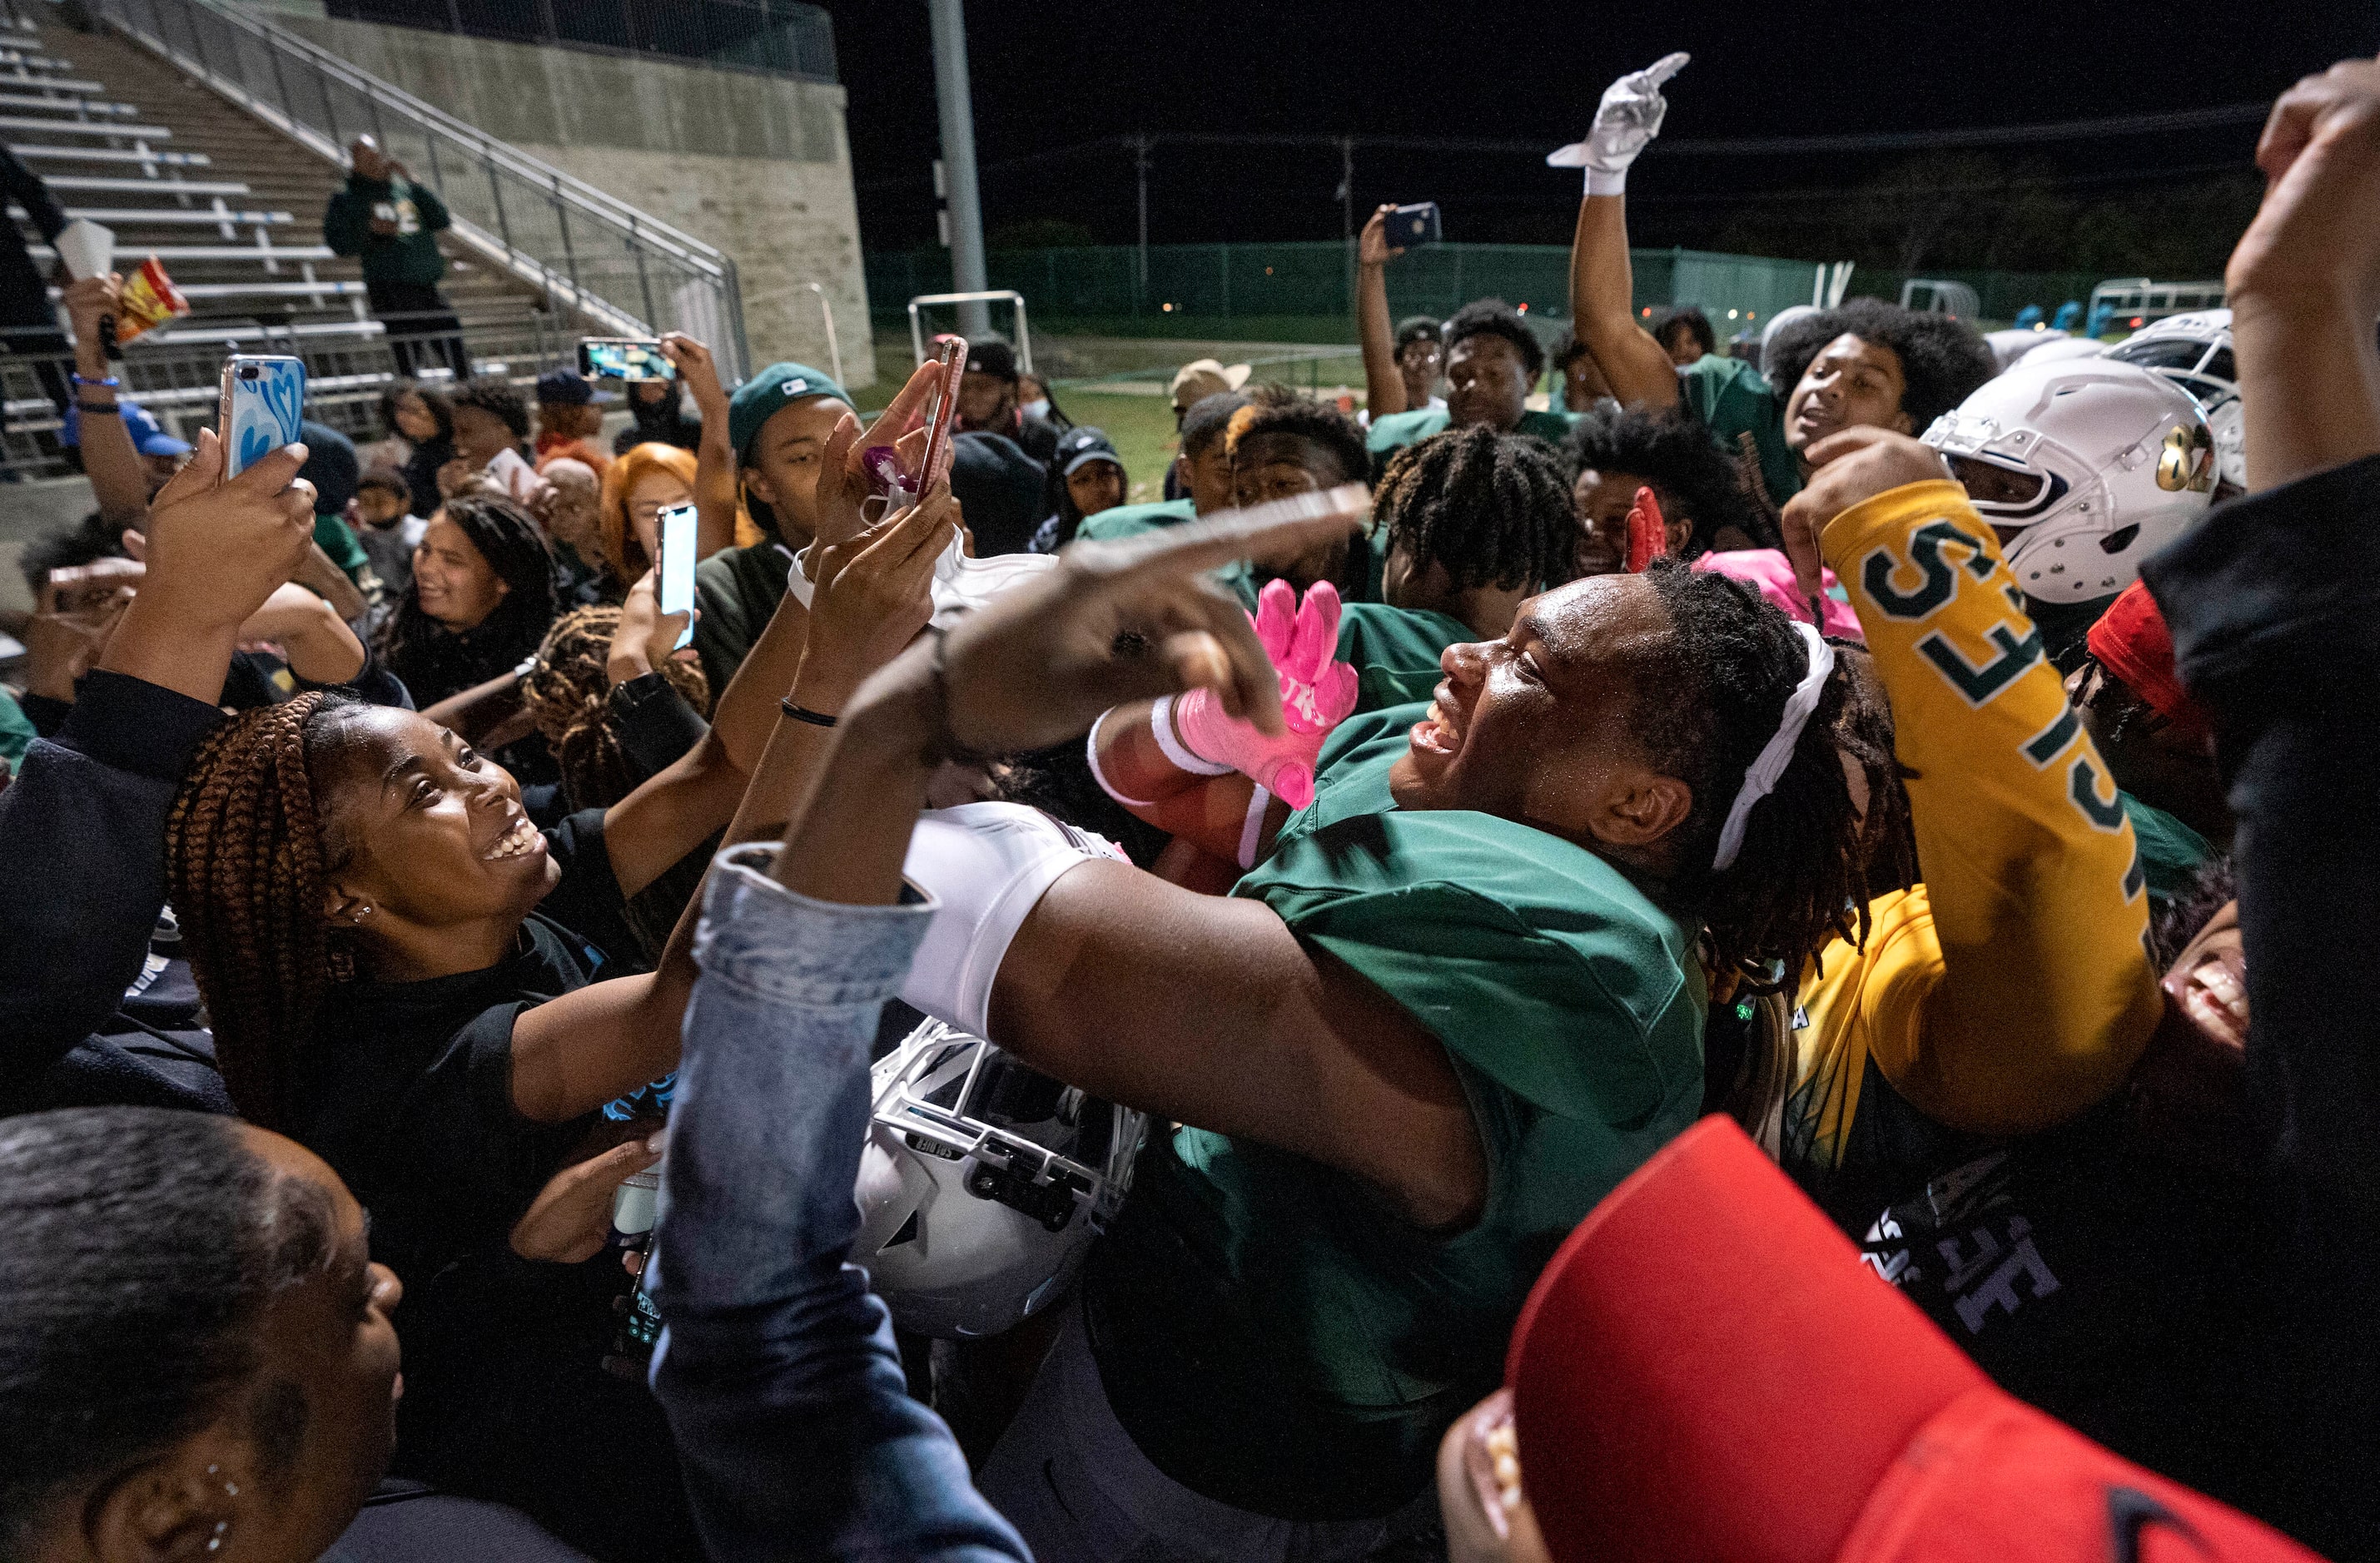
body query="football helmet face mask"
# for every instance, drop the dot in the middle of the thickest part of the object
(2194, 352)
(2084, 467)
(983, 1183)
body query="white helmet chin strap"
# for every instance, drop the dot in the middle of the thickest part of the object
(1761, 778)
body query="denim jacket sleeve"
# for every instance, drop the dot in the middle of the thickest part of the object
(82, 836)
(776, 1366)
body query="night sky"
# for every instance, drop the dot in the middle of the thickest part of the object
(1056, 73)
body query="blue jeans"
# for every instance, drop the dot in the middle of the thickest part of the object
(775, 1365)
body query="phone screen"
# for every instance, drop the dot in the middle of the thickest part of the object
(676, 587)
(623, 357)
(264, 402)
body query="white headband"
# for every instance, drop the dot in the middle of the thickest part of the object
(1761, 780)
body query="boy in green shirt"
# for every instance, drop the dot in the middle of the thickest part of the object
(1493, 361)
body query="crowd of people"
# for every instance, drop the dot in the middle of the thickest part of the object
(1637, 953)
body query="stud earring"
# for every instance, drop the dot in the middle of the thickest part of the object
(214, 1543)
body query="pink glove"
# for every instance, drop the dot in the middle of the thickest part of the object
(1317, 693)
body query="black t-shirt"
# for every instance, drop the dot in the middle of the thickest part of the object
(408, 1089)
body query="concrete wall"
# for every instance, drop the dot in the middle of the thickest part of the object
(759, 165)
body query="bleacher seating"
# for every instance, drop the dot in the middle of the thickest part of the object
(233, 209)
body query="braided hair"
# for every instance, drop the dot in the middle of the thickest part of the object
(1714, 694)
(1691, 478)
(435, 661)
(568, 696)
(247, 861)
(1493, 509)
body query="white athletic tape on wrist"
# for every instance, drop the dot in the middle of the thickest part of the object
(1161, 723)
(1091, 753)
(1761, 779)
(1599, 183)
(1252, 827)
(986, 864)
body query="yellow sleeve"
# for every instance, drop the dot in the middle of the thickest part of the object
(2014, 988)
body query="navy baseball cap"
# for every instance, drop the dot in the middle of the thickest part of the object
(568, 388)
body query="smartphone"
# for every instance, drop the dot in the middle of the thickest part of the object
(1417, 223)
(676, 587)
(264, 402)
(521, 483)
(623, 357)
(945, 414)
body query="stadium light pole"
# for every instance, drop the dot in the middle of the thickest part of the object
(952, 93)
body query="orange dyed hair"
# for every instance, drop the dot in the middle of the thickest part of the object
(621, 552)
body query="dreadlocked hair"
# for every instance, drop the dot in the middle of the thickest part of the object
(246, 863)
(1712, 695)
(568, 694)
(1280, 409)
(1493, 509)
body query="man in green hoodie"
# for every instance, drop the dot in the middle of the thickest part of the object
(393, 223)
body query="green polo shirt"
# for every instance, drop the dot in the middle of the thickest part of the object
(1413, 427)
(1267, 1330)
(1395, 650)
(1732, 398)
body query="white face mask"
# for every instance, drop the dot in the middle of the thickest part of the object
(1037, 407)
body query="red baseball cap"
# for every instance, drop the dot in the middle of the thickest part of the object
(2130, 640)
(1706, 1370)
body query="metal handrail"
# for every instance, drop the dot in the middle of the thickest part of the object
(567, 237)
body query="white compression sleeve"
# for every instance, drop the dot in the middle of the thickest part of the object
(986, 864)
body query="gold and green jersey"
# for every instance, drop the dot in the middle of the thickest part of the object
(2014, 988)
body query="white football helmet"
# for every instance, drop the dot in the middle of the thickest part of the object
(983, 1183)
(2098, 465)
(2194, 352)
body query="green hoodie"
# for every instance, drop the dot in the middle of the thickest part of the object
(410, 255)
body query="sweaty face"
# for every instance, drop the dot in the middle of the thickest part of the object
(330, 1338)
(1852, 383)
(985, 402)
(782, 462)
(453, 579)
(1486, 381)
(1096, 486)
(650, 494)
(431, 831)
(1534, 726)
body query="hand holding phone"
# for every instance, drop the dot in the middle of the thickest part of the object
(262, 403)
(675, 585)
(624, 357)
(934, 466)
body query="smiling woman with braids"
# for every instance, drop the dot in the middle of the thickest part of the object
(411, 979)
(481, 598)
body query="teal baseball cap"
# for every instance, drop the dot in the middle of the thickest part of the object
(779, 385)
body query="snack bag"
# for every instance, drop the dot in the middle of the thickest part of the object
(149, 300)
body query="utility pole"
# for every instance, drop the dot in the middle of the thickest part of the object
(952, 93)
(1347, 212)
(1140, 145)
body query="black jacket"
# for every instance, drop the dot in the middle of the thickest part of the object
(2275, 607)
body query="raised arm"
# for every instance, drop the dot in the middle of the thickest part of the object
(1602, 307)
(1384, 384)
(2274, 603)
(1602, 286)
(579, 1051)
(1192, 1007)
(2013, 988)
(714, 462)
(119, 480)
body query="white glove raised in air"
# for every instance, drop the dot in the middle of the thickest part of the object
(1625, 123)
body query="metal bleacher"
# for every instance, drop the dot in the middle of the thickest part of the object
(181, 164)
